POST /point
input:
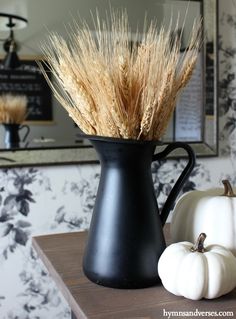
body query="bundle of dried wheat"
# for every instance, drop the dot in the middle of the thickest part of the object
(13, 108)
(109, 89)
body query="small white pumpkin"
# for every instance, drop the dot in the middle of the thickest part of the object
(195, 272)
(212, 212)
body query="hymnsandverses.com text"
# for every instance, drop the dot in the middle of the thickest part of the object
(197, 313)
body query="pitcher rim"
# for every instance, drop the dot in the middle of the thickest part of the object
(11, 124)
(119, 140)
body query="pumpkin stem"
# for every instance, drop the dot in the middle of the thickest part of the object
(228, 189)
(199, 246)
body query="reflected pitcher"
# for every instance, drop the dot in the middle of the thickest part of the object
(12, 138)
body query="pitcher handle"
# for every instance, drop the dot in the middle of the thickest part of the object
(27, 131)
(182, 178)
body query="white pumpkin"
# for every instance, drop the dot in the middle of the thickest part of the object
(195, 272)
(212, 212)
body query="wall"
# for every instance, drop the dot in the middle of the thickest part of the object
(36, 201)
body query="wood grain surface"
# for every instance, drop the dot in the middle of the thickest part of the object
(62, 255)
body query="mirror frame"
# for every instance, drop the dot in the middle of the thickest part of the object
(46, 157)
(86, 154)
(210, 122)
(208, 145)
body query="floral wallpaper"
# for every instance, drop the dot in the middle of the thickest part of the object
(26, 290)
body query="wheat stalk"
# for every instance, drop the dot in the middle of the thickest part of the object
(109, 89)
(13, 108)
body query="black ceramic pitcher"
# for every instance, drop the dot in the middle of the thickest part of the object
(125, 236)
(12, 138)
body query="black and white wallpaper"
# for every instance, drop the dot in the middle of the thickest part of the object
(26, 290)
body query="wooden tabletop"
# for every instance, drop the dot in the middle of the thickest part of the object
(62, 255)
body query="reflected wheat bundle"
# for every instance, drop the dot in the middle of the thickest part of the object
(13, 108)
(112, 90)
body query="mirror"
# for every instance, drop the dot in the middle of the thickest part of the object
(53, 137)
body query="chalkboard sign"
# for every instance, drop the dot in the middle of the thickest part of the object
(28, 80)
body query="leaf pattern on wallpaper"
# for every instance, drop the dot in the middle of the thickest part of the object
(86, 189)
(39, 296)
(164, 179)
(40, 293)
(227, 87)
(230, 126)
(20, 200)
(72, 221)
(14, 207)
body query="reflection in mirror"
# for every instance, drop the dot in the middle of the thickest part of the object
(195, 118)
(50, 128)
(49, 125)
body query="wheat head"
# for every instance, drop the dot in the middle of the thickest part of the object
(112, 90)
(13, 108)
